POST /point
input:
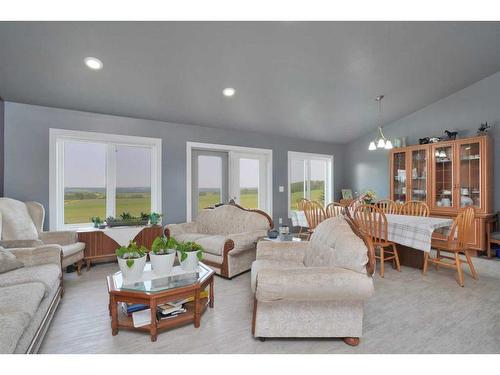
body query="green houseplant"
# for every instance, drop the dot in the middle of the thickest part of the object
(131, 260)
(189, 253)
(96, 220)
(154, 218)
(162, 255)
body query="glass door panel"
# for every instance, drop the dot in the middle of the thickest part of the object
(419, 175)
(470, 177)
(248, 180)
(399, 175)
(443, 169)
(209, 179)
(248, 189)
(298, 184)
(318, 181)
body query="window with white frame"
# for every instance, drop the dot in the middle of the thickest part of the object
(96, 174)
(310, 176)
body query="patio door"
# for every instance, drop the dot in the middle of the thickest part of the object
(209, 179)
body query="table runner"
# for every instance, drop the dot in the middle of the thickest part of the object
(414, 231)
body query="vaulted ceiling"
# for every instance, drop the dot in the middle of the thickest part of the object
(313, 80)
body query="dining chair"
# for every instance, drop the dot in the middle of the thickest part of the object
(388, 206)
(415, 208)
(315, 214)
(493, 234)
(373, 221)
(301, 203)
(456, 243)
(334, 209)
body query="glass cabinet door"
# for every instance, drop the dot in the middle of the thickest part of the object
(419, 175)
(469, 175)
(443, 178)
(399, 176)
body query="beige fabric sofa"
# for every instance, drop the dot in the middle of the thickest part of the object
(29, 297)
(228, 234)
(21, 226)
(313, 288)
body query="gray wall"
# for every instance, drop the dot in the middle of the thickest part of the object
(27, 152)
(2, 144)
(463, 111)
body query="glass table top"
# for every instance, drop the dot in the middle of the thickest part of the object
(150, 282)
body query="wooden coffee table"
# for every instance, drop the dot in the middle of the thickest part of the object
(118, 292)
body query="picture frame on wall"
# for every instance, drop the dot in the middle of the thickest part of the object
(346, 194)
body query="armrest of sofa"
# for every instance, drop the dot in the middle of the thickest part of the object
(34, 256)
(12, 244)
(245, 240)
(63, 237)
(312, 284)
(172, 230)
(289, 251)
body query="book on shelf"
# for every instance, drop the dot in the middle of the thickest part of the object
(129, 308)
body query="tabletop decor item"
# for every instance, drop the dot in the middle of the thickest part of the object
(189, 253)
(126, 219)
(162, 255)
(483, 129)
(154, 218)
(451, 135)
(97, 221)
(273, 233)
(131, 260)
(346, 194)
(369, 197)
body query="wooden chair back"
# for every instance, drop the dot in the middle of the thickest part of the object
(388, 206)
(315, 214)
(415, 208)
(370, 266)
(301, 203)
(334, 209)
(462, 229)
(372, 220)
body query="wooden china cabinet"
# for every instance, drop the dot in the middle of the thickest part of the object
(447, 176)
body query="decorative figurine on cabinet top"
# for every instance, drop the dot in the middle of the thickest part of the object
(483, 129)
(451, 135)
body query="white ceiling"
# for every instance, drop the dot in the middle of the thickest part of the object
(312, 80)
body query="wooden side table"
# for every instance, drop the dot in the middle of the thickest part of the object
(98, 246)
(194, 309)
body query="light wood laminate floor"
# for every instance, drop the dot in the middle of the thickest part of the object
(409, 313)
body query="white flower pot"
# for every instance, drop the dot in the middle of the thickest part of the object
(162, 264)
(190, 263)
(134, 272)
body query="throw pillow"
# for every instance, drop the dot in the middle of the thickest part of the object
(8, 261)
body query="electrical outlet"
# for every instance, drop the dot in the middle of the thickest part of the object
(280, 220)
(281, 189)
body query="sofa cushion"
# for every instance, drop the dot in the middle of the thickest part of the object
(212, 244)
(17, 223)
(261, 264)
(73, 248)
(8, 261)
(21, 298)
(15, 244)
(228, 219)
(185, 237)
(47, 274)
(12, 326)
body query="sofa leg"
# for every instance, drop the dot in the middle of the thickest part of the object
(351, 341)
(262, 339)
(79, 265)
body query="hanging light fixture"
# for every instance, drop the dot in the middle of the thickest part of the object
(380, 141)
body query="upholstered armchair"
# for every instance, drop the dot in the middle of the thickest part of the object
(228, 235)
(314, 288)
(21, 226)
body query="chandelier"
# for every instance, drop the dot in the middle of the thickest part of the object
(380, 141)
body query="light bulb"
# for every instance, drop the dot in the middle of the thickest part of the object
(388, 145)
(372, 146)
(381, 143)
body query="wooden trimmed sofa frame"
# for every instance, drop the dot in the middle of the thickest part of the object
(229, 244)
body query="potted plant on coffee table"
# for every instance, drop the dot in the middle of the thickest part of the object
(189, 254)
(162, 255)
(131, 260)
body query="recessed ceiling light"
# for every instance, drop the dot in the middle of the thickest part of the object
(229, 91)
(93, 63)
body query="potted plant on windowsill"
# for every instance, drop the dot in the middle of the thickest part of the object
(96, 220)
(154, 218)
(131, 260)
(189, 253)
(162, 255)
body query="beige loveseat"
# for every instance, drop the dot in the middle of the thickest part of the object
(313, 288)
(29, 297)
(228, 235)
(21, 226)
